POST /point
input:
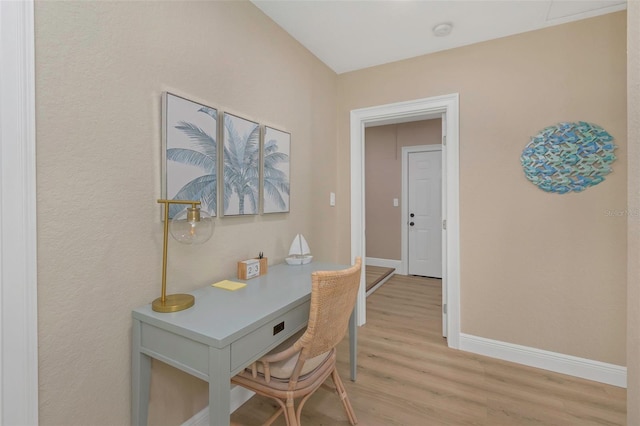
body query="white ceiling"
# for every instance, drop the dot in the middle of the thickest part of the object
(348, 35)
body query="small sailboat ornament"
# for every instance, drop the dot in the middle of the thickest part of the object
(299, 252)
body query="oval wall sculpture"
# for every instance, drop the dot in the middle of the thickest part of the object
(568, 157)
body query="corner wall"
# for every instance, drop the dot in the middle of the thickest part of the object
(100, 70)
(541, 270)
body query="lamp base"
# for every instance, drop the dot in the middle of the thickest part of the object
(173, 303)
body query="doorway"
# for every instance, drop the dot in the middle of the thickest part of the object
(440, 106)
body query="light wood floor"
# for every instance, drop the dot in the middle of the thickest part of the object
(408, 376)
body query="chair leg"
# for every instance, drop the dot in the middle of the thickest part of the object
(342, 393)
(300, 405)
(290, 413)
(277, 414)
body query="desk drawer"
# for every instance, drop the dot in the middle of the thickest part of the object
(262, 340)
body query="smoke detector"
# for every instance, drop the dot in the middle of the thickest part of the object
(442, 30)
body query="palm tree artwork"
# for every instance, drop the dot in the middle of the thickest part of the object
(241, 170)
(276, 170)
(191, 153)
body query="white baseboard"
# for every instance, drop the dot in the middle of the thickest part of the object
(239, 396)
(384, 263)
(597, 371)
(200, 419)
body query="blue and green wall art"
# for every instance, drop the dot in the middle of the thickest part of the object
(568, 157)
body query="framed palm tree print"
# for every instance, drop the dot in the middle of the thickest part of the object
(241, 165)
(190, 153)
(276, 171)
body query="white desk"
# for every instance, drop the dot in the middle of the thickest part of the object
(223, 333)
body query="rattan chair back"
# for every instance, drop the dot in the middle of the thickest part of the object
(333, 296)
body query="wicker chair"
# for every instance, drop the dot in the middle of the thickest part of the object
(299, 366)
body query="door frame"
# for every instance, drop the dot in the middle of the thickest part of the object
(404, 210)
(447, 107)
(18, 280)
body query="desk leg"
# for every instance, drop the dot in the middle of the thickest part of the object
(219, 386)
(353, 345)
(140, 379)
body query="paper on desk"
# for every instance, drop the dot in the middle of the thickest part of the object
(228, 285)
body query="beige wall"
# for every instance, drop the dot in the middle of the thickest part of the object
(633, 221)
(527, 276)
(100, 70)
(383, 174)
(537, 269)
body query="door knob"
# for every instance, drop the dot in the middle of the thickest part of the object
(411, 223)
(411, 215)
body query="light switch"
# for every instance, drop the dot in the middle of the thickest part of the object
(332, 199)
(395, 202)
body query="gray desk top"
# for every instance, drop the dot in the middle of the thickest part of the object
(220, 316)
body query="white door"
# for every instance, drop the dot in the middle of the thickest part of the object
(424, 219)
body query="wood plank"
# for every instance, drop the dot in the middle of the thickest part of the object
(375, 274)
(408, 376)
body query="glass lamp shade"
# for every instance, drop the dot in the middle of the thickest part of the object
(191, 226)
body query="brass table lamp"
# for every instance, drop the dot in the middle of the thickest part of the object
(190, 226)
